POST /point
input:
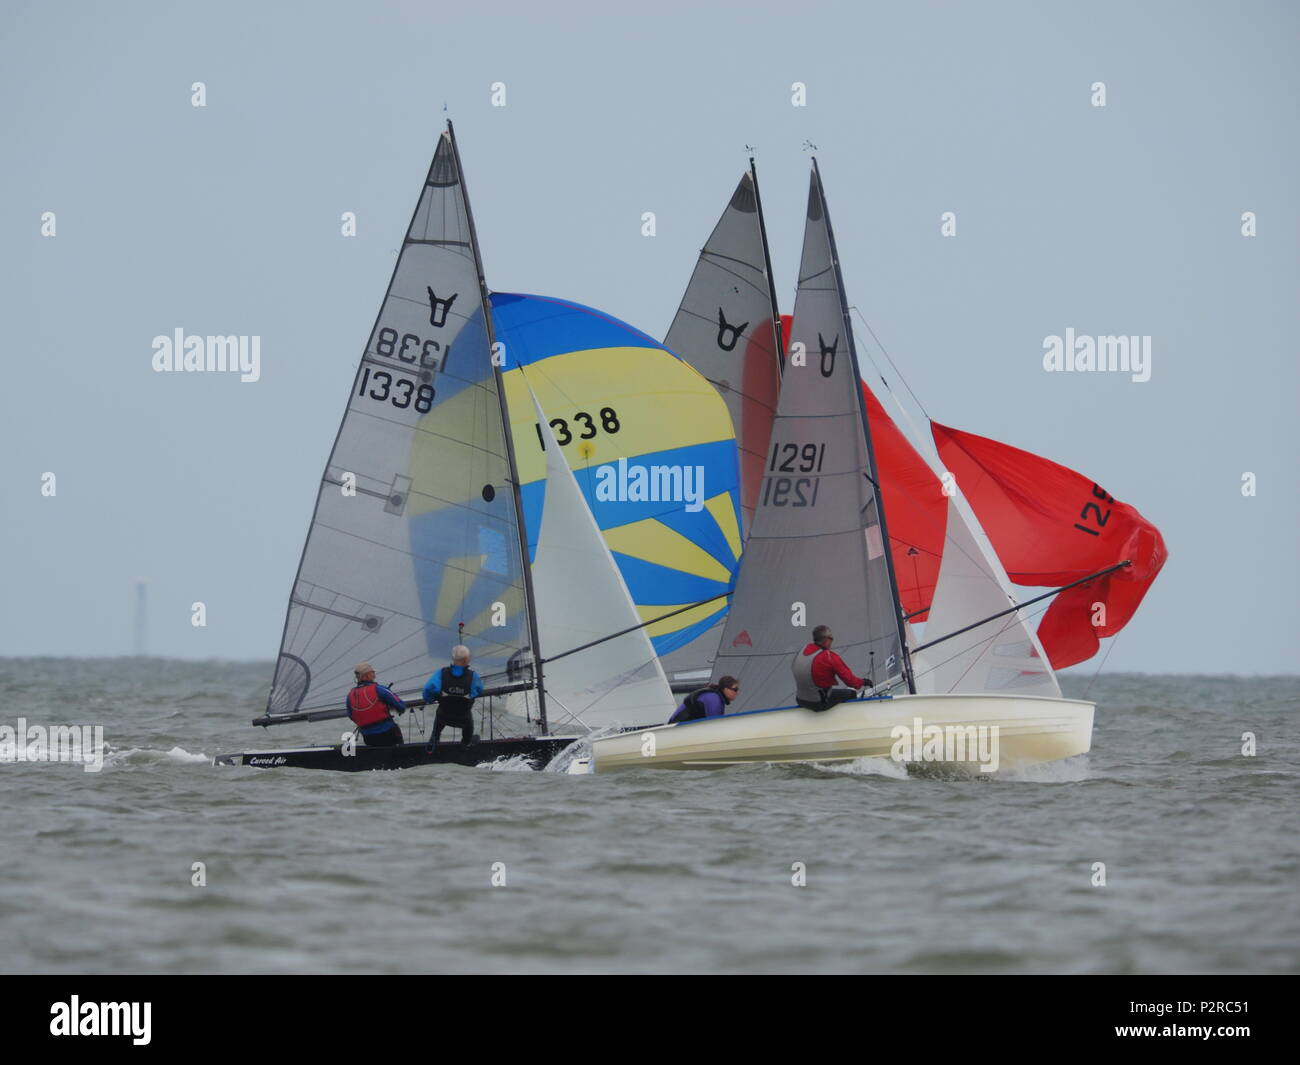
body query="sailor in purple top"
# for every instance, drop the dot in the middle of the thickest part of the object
(709, 701)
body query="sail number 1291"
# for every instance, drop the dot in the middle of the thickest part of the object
(793, 491)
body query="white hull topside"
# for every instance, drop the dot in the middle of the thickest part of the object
(1030, 729)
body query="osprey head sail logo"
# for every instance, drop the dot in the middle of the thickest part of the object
(728, 334)
(828, 349)
(438, 308)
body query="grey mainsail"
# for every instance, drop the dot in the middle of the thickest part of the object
(414, 545)
(816, 552)
(728, 328)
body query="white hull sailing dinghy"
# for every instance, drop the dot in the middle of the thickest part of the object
(1027, 728)
(419, 542)
(978, 693)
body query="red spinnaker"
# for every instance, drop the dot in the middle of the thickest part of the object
(916, 510)
(759, 393)
(1050, 526)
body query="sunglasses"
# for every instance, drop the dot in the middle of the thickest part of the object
(733, 689)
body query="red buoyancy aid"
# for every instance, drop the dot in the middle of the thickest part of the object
(364, 706)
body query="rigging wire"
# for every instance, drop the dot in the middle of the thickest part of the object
(884, 351)
(1110, 647)
(949, 541)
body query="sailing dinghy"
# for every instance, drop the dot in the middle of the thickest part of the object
(419, 542)
(979, 689)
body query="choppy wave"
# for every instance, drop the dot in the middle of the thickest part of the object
(152, 756)
(648, 871)
(1066, 771)
(580, 749)
(865, 767)
(513, 763)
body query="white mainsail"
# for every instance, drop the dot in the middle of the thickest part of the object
(581, 597)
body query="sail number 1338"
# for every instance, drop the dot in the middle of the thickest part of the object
(401, 392)
(608, 418)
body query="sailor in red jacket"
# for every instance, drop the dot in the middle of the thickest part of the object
(371, 707)
(817, 667)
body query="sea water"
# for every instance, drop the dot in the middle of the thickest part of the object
(1167, 849)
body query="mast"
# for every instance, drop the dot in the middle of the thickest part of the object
(767, 262)
(866, 429)
(509, 438)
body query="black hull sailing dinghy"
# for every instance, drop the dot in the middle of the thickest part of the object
(418, 542)
(536, 751)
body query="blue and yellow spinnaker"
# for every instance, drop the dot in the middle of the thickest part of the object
(612, 393)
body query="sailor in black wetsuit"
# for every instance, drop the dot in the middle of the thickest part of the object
(454, 689)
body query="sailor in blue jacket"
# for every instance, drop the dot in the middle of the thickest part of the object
(454, 689)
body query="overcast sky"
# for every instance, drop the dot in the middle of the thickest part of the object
(225, 219)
